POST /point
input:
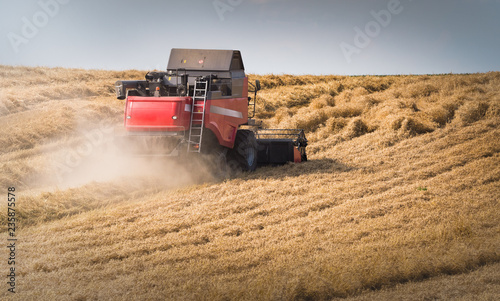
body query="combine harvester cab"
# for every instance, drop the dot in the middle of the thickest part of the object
(201, 104)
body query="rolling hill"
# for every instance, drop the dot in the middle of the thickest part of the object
(399, 200)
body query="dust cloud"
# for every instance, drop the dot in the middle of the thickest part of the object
(101, 155)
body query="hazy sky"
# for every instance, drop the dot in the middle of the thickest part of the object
(275, 36)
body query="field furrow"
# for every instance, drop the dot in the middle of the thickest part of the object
(399, 199)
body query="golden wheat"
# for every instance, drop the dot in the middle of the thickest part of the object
(402, 186)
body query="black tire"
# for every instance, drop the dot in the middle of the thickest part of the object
(216, 154)
(243, 157)
(220, 169)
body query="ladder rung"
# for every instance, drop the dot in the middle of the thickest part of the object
(196, 130)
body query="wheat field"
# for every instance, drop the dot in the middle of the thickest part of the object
(399, 199)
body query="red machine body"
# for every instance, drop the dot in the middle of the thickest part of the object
(204, 96)
(157, 114)
(173, 114)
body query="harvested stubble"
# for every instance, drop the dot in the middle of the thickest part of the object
(402, 186)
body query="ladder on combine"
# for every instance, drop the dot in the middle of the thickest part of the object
(197, 116)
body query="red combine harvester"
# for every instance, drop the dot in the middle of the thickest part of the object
(202, 105)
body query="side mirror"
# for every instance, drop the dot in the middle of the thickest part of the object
(257, 85)
(121, 90)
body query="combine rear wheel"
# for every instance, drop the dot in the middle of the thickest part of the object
(215, 154)
(243, 157)
(221, 169)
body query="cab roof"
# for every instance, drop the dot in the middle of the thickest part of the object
(205, 60)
